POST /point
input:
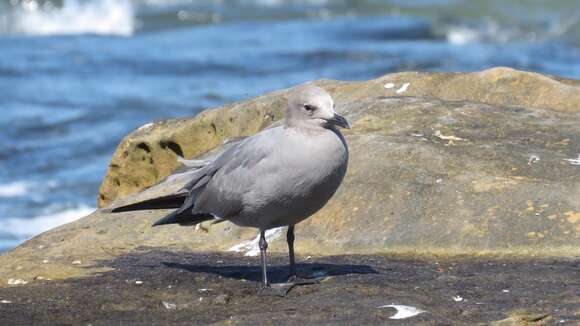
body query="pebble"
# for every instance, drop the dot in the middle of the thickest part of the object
(403, 88)
(403, 311)
(222, 299)
(169, 305)
(77, 262)
(5, 301)
(13, 281)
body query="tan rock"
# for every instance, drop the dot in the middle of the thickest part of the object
(408, 190)
(147, 155)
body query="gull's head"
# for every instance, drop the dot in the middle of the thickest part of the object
(312, 106)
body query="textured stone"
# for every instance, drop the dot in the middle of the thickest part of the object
(147, 155)
(426, 176)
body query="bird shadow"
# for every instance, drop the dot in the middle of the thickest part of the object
(276, 274)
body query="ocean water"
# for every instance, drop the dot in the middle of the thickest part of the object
(76, 76)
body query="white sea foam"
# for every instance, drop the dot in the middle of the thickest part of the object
(14, 189)
(24, 228)
(105, 17)
(282, 2)
(487, 31)
(462, 35)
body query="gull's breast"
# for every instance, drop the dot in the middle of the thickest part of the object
(298, 186)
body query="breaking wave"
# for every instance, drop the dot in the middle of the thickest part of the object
(102, 17)
(14, 189)
(19, 229)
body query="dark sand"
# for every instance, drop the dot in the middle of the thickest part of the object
(161, 288)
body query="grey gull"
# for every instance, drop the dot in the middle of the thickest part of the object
(278, 177)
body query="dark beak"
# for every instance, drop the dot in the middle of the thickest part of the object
(339, 120)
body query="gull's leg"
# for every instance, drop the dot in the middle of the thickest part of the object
(278, 290)
(263, 247)
(281, 289)
(290, 240)
(293, 277)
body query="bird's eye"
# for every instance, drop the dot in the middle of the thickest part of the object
(308, 107)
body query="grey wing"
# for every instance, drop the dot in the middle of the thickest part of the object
(219, 191)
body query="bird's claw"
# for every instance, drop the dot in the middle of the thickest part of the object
(275, 290)
(297, 280)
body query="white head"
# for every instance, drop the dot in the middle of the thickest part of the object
(312, 107)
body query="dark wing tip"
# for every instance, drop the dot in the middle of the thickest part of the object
(169, 219)
(164, 202)
(183, 218)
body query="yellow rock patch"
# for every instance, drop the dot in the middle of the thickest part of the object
(495, 183)
(573, 217)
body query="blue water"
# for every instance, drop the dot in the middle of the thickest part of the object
(77, 76)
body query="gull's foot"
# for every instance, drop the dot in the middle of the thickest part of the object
(276, 289)
(305, 280)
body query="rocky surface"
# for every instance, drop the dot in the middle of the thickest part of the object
(426, 176)
(159, 287)
(148, 155)
(485, 164)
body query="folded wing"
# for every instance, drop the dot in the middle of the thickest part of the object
(216, 189)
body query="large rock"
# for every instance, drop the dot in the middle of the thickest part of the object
(426, 176)
(147, 156)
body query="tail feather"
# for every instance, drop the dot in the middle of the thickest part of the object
(183, 218)
(165, 202)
